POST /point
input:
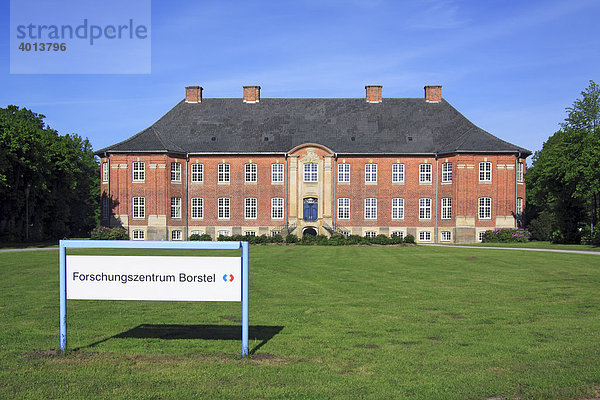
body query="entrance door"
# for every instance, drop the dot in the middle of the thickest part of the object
(311, 206)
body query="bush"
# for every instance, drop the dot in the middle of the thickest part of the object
(308, 240)
(291, 238)
(336, 240)
(410, 239)
(205, 237)
(506, 235)
(104, 233)
(588, 237)
(396, 239)
(321, 240)
(381, 239)
(354, 239)
(276, 239)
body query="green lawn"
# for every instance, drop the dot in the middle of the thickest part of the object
(326, 322)
(538, 245)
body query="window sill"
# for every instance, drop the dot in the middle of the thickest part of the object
(370, 183)
(398, 183)
(250, 183)
(277, 183)
(176, 182)
(486, 182)
(197, 182)
(425, 183)
(447, 183)
(222, 183)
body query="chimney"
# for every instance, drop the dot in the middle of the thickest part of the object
(251, 94)
(433, 93)
(373, 93)
(193, 94)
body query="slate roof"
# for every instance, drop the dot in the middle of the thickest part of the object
(346, 126)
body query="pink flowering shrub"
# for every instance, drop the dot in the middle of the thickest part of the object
(506, 235)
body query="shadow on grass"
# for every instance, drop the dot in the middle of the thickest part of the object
(206, 332)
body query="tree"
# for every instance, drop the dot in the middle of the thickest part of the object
(47, 181)
(564, 181)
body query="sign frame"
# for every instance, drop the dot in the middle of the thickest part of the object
(63, 245)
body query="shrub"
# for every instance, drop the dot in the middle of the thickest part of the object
(354, 239)
(396, 239)
(336, 240)
(321, 240)
(506, 235)
(291, 238)
(262, 239)
(194, 237)
(276, 239)
(205, 237)
(308, 240)
(381, 239)
(104, 233)
(410, 239)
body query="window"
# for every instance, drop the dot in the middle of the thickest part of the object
(370, 208)
(399, 234)
(138, 171)
(250, 233)
(344, 208)
(175, 172)
(485, 208)
(223, 208)
(310, 172)
(138, 234)
(105, 211)
(223, 173)
(345, 233)
(197, 208)
(175, 207)
(446, 208)
(139, 207)
(250, 208)
(520, 172)
(223, 233)
(424, 208)
(275, 233)
(425, 236)
(276, 173)
(196, 232)
(424, 173)
(485, 172)
(343, 172)
(105, 172)
(370, 234)
(277, 208)
(370, 173)
(397, 208)
(519, 205)
(250, 173)
(197, 172)
(446, 236)
(175, 235)
(397, 173)
(480, 236)
(447, 172)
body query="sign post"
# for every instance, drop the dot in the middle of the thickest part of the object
(153, 277)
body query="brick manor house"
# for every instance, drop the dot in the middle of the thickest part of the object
(367, 166)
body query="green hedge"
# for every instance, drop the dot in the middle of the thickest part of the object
(104, 233)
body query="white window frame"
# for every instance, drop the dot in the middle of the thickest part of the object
(175, 171)
(196, 232)
(425, 208)
(197, 172)
(519, 206)
(397, 208)
(485, 208)
(446, 208)
(520, 174)
(425, 173)
(447, 172)
(370, 234)
(397, 173)
(277, 173)
(176, 235)
(371, 173)
(250, 208)
(446, 236)
(223, 232)
(105, 170)
(344, 173)
(343, 208)
(398, 233)
(175, 207)
(197, 207)
(250, 233)
(371, 208)
(138, 234)
(480, 236)
(223, 173)
(485, 171)
(139, 207)
(223, 208)
(277, 208)
(275, 233)
(250, 175)
(424, 236)
(138, 171)
(311, 172)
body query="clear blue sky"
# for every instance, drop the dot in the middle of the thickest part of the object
(511, 67)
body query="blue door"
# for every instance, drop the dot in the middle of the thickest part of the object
(311, 206)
